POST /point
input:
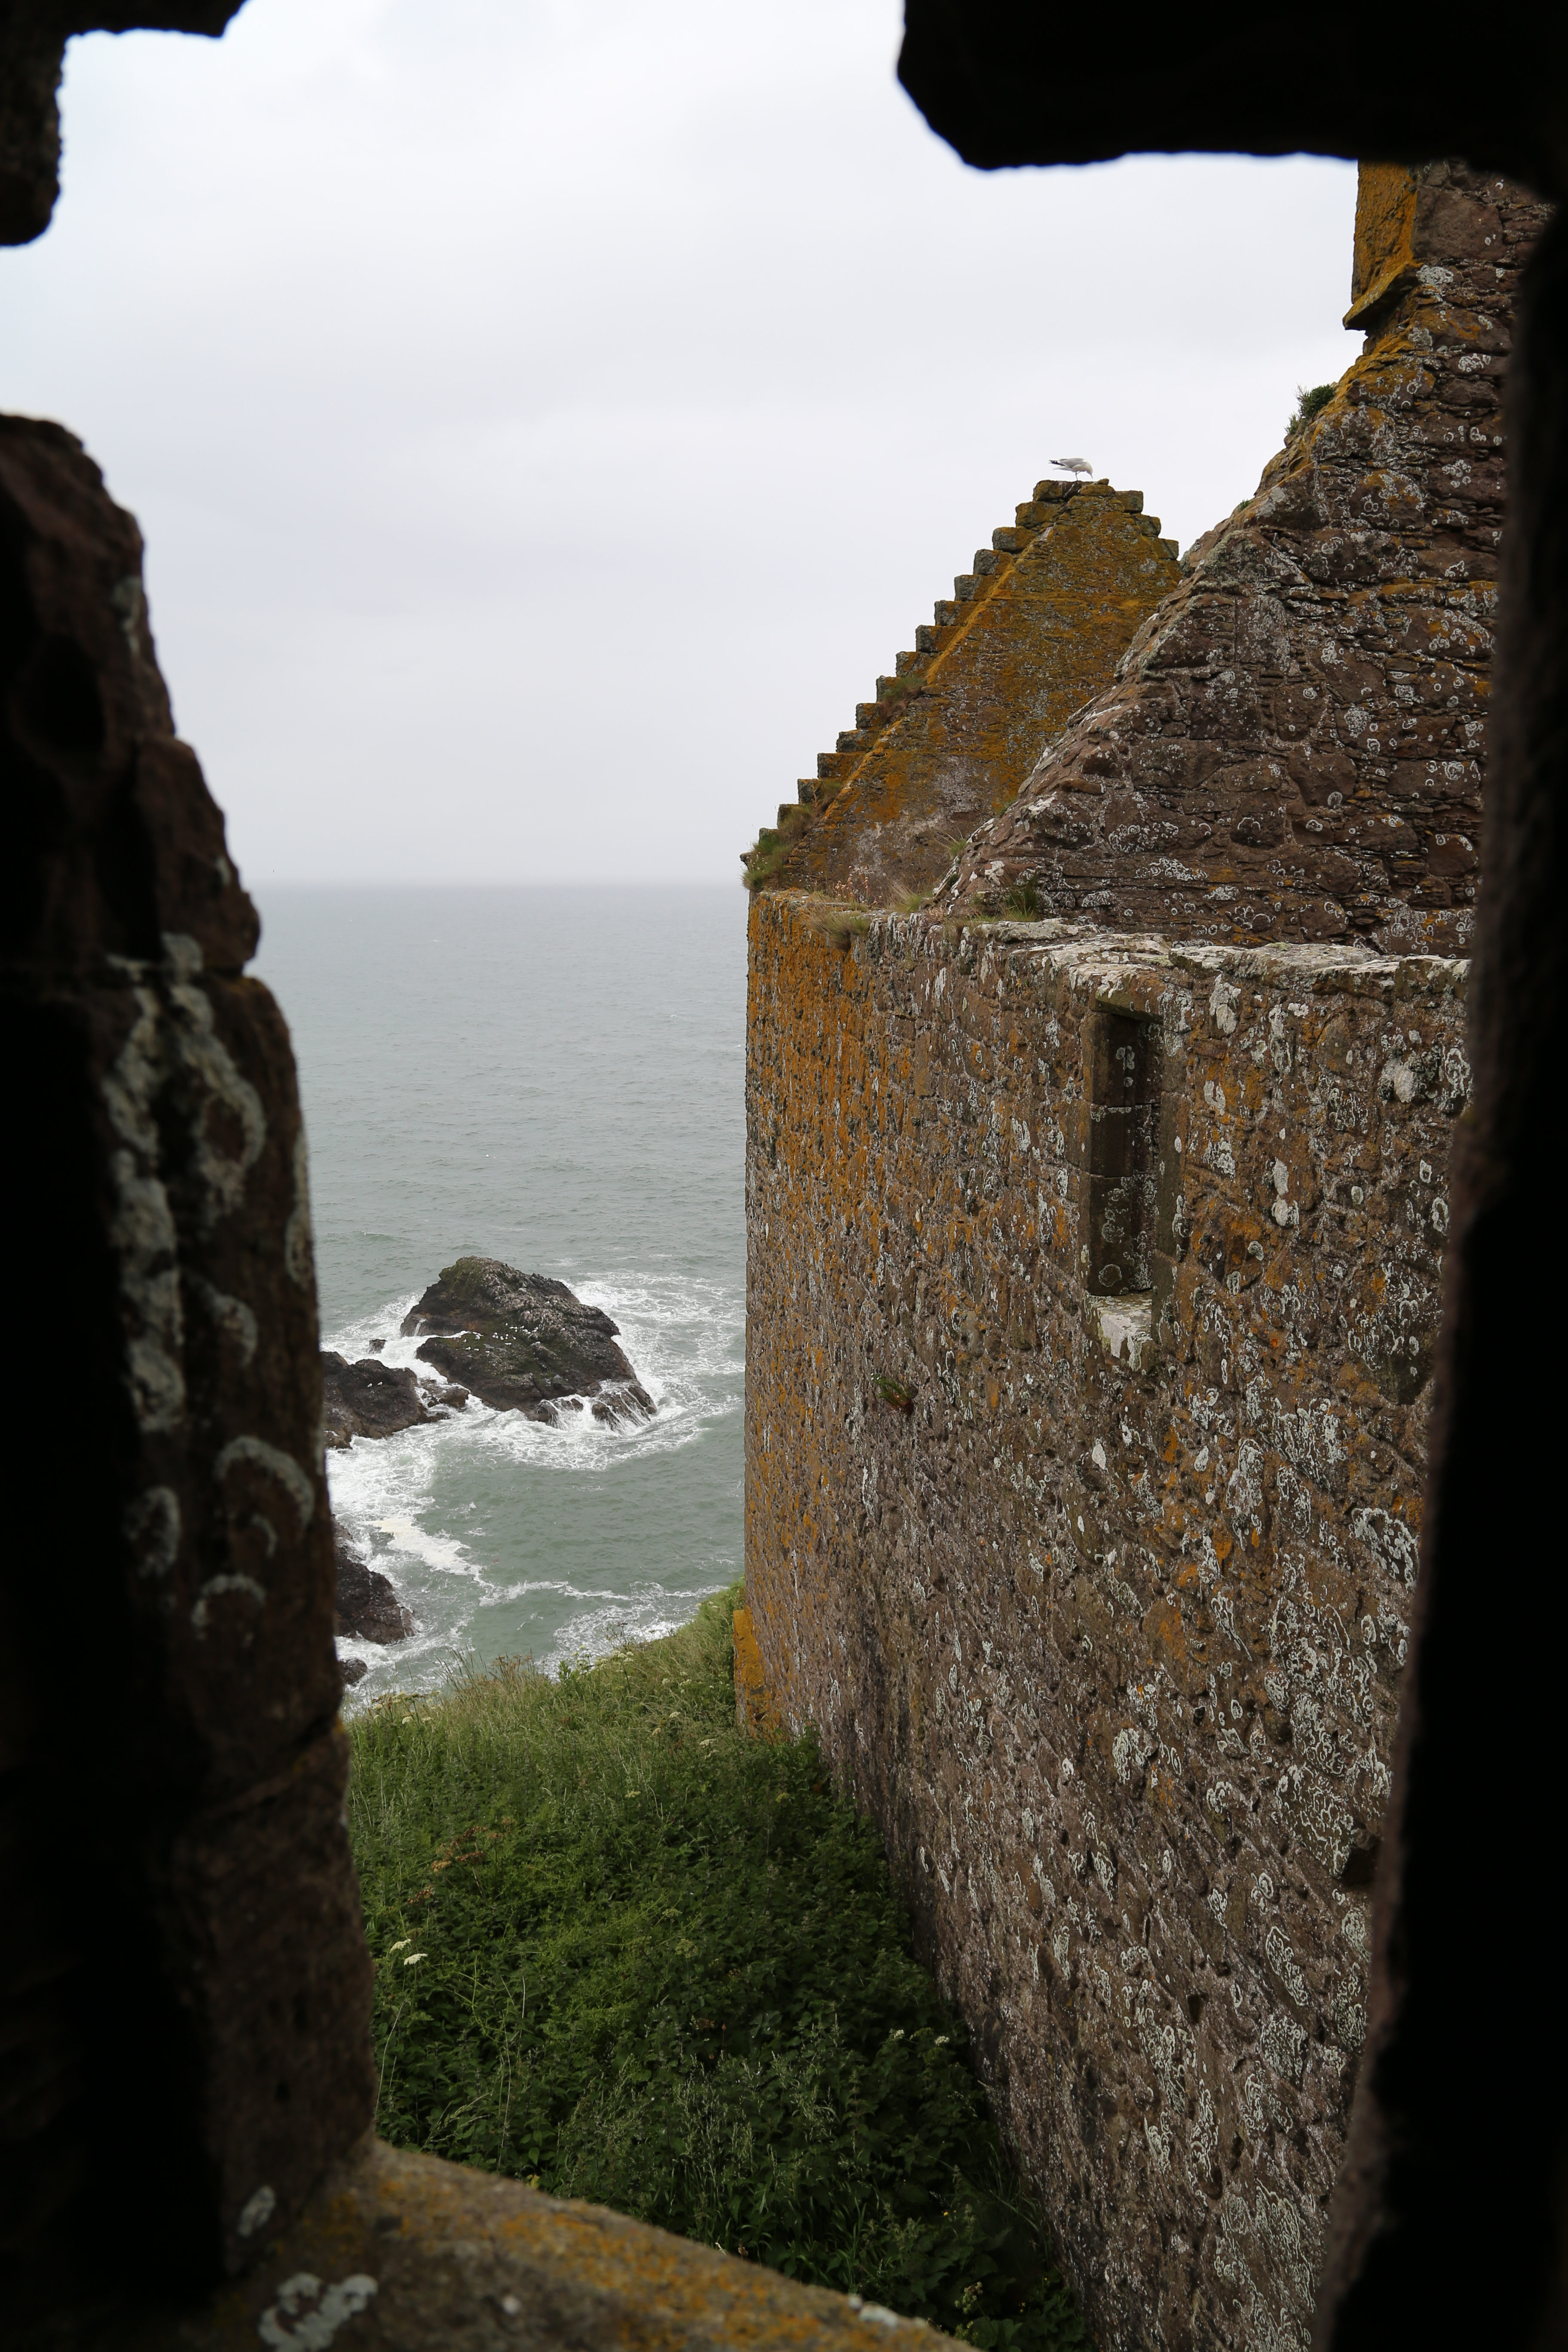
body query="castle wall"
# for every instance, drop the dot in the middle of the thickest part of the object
(1094, 1577)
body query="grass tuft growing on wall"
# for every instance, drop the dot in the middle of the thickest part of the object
(770, 853)
(840, 926)
(1307, 405)
(629, 1953)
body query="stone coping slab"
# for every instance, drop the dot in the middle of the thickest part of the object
(398, 2252)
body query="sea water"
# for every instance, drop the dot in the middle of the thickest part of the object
(555, 1078)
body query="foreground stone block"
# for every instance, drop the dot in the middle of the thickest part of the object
(184, 1946)
(404, 2253)
(32, 37)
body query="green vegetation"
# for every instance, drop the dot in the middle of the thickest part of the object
(1024, 902)
(839, 926)
(772, 847)
(1307, 403)
(625, 1951)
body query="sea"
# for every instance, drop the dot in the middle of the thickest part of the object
(553, 1077)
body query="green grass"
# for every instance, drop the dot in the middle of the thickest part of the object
(626, 1952)
(840, 926)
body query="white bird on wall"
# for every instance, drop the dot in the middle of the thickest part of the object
(1070, 465)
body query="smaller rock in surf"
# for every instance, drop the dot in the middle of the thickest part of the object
(525, 1343)
(371, 1398)
(365, 1603)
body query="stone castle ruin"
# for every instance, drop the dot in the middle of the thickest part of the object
(1097, 1208)
(1096, 1220)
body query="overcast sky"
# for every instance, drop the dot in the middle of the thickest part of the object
(546, 417)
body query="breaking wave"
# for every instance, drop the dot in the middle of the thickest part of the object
(506, 1537)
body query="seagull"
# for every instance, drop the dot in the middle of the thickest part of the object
(1070, 465)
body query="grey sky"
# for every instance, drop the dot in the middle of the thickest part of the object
(546, 420)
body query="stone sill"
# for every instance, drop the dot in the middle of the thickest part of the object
(1124, 1326)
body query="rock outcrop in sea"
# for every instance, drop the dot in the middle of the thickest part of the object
(366, 1605)
(525, 1344)
(371, 1398)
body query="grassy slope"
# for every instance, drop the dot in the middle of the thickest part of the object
(625, 1951)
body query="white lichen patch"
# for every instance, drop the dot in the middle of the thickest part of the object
(309, 2312)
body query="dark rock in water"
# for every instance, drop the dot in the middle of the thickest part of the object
(366, 1607)
(367, 1399)
(376, 1346)
(524, 1343)
(451, 1395)
(354, 1670)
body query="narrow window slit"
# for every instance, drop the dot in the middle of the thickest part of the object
(1124, 1062)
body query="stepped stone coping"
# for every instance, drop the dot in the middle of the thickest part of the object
(1030, 633)
(1036, 514)
(1294, 744)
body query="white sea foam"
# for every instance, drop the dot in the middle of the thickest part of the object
(450, 1509)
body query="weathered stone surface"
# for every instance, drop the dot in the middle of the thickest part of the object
(524, 1343)
(405, 2253)
(755, 1711)
(1106, 1630)
(1293, 745)
(369, 1398)
(365, 1605)
(1461, 2129)
(168, 1291)
(32, 37)
(1029, 635)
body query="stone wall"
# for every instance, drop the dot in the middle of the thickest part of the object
(1030, 633)
(1293, 745)
(1093, 1284)
(185, 1961)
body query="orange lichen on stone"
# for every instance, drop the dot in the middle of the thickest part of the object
(755, 1710)
(1385, 223)
(1035, 630)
